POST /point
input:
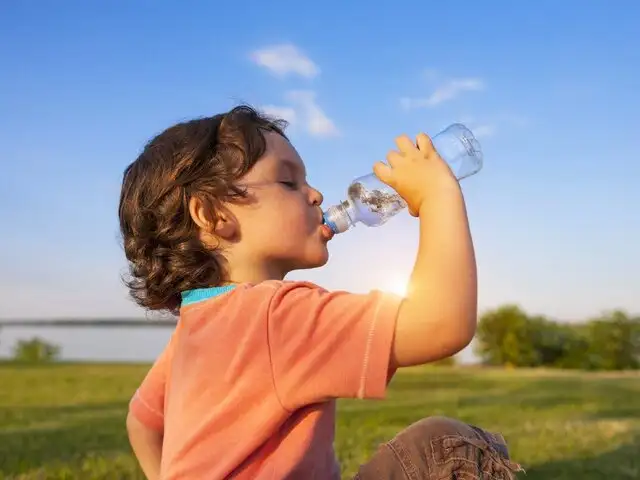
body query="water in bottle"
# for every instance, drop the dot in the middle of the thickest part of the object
(372, 202)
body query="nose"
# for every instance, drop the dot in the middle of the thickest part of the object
(316, 197)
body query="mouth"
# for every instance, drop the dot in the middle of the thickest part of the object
(327, 232)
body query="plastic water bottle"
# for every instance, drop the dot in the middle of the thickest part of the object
(372, 202)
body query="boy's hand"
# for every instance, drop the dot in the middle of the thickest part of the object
(417, 173)
(438, 315)
(147, 446)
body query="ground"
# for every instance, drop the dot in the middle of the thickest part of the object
(67, 421)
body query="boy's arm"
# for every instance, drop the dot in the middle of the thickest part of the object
(438, 315)
(326, 345)
(145, 420)
(147, 446)
(437, 318)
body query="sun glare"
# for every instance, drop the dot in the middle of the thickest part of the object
(399, 286)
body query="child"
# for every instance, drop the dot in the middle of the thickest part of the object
(214, 213)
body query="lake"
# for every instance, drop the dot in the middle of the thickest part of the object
(120, 344)
(109, 344)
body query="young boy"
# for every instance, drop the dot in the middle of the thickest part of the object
(214, 213)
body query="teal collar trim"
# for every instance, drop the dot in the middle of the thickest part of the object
(200, 294)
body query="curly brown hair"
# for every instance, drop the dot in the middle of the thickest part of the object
(201, 158)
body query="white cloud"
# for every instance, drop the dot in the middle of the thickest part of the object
(303, 111)
(285, 113)
(480, 129)
(316, 122)
(484, 131)
(445, 92)
(491, 125)
(285, 59)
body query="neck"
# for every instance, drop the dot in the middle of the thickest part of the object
(255, 273)
(241, 267)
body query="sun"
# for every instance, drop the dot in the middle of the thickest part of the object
(399, 286)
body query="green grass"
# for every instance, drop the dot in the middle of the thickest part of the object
(67, 421)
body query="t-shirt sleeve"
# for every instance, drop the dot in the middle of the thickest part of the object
(147, 404)
(326, 345)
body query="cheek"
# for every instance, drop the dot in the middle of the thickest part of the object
(295, 217)
(271, 228)
(290, 229)
(283, 219)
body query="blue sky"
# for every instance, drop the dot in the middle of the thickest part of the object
(550, 88)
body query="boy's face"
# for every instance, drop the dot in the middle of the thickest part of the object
(280, 226)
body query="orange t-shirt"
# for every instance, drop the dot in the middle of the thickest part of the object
(246, 387)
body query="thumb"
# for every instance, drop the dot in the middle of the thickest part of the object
(425, 145)
(383, 172)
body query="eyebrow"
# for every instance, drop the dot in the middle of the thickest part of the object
(292, 166)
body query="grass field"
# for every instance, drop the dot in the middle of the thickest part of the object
(67, 421)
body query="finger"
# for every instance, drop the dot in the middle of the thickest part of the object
(383, 172)
(405, 144)
(393, 158)
(425, 145)
(413, 213)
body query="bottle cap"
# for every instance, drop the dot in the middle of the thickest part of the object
(337, 219)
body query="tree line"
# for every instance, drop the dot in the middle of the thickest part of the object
(508, 336)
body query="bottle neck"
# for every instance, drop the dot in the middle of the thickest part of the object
(341, 217)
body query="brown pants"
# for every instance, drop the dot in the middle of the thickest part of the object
(440, 448)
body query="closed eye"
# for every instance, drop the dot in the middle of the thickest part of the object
(290, 185)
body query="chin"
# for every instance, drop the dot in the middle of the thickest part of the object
(323, 257)
(322, 261)
(315, 260)
(318, 262)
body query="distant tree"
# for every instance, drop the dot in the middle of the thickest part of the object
(504, 337)
(613, 342)
(35, 350)
(575, 347)
(557, 344)
(508, 336)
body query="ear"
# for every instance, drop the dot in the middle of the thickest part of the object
(225, 225)
(220, 223)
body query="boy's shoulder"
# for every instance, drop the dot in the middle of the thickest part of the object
(286, 285)
(244, 290)
(254, 297)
